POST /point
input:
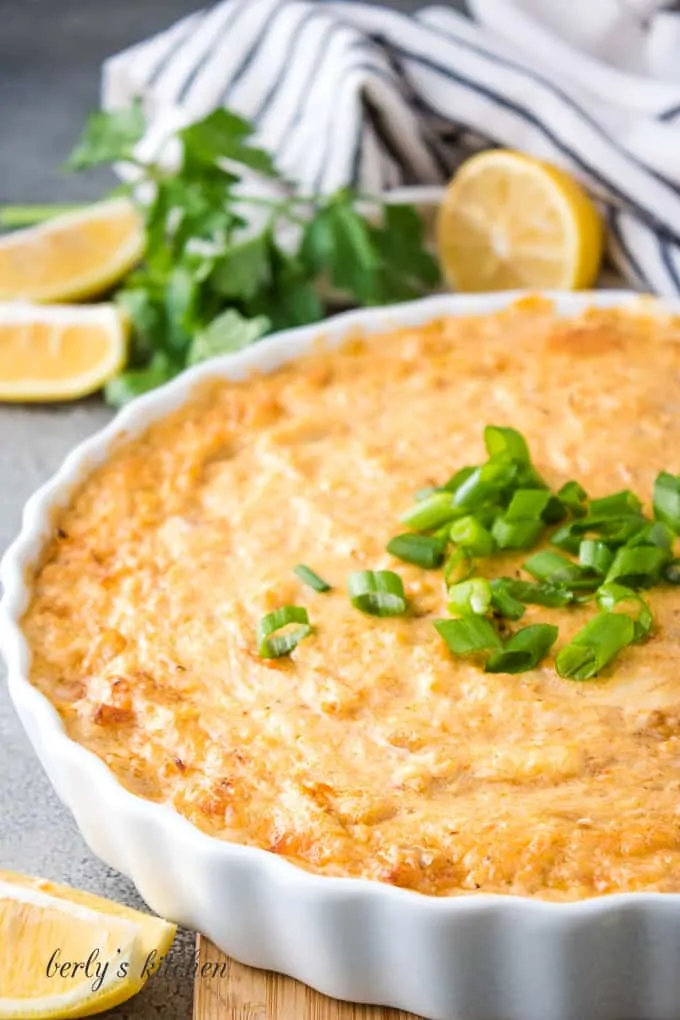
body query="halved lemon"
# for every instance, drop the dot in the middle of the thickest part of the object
(66, 953)
(73, 256)
(508, 220)
(59, 352)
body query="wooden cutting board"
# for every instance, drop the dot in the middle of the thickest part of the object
(226, 990)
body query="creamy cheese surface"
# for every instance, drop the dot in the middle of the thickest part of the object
(371, 751)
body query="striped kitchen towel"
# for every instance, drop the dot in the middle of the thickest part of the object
(344, 92)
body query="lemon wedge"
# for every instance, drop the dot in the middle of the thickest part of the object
(66, 953)
(73, 256)
(508, 220)
(59, 352)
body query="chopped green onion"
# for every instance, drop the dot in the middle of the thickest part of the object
(556, 569)
(595, 555)
(309, 577)
(486, 483)
(619, 504)
(611, 597)
(519, 534)
(527, 503)
(503, 440)
(431, 512)
(468, 635)
(553, 596)
(672, 572)
(574, 497)
(470, 534)
(503, 602)
(656, 533)
(594, 646)
(423, 550)
(455, 481)
(429, 490)
(271, 645)
(524, 650)
(568, 538)
(470, 597)
(667, 500)
(459, 566)
(638, 566)
(555, 511)
(377, 592)
(613, 530)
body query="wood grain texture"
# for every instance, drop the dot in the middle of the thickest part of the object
(226, 990)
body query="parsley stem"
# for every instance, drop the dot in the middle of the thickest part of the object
(30, 215)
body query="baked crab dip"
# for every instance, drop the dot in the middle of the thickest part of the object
(406, 610)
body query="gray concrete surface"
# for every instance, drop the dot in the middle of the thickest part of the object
(50, 53)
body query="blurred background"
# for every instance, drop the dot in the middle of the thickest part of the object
(51, 53)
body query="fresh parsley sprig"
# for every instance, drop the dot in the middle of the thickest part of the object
(210, 281)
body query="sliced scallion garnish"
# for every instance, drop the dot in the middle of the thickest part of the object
(517, 534)
(654, 533)
(524, 650)
(619, 504)
(377, 592)
(666, 500)
(459, 566)
(486, 484)
(431, 512)
(617, 598)
(595, 555)
(422, 550)
(470, 597)
(311, 578)
(470, 534)
(272, 645)
(638, 566)
(595, 646)
(469, 635)
(671, 572)
(555, 569)
(500, 439)
(504, 602)
(574, 497)
(541, 593)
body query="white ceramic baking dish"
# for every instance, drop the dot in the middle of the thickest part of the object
(474, 957)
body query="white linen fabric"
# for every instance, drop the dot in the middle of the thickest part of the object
(351, 93)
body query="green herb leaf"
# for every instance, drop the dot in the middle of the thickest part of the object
(243, 269)
(222, 135)
(229, 332)
(524, 650)
(133, 383)
(109, 136)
